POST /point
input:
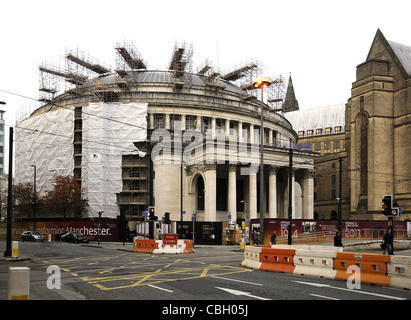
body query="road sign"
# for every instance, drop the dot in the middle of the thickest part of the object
(170, 238)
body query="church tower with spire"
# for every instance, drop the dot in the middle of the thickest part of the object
(290, 103)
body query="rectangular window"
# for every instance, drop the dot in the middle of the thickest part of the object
(300, 134)
(318, 132)
(191, 122)
(175, 121)
(337, 147)
(327, 147)
(309, 133)
(338, 129)
(159, 121)
(328, 130)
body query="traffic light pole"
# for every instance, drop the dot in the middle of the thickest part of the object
(340, 199)
(290, 195)
(391, 227)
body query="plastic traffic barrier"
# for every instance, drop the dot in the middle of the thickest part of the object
(252, 257)
(315, 263)
(331, 263)
(188, 246)
(373, 267)
(277, 260)
(158, 246)
(145, 245)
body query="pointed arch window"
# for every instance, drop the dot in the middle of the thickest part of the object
(362, 125)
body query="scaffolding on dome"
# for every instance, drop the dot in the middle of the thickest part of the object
(181, 65)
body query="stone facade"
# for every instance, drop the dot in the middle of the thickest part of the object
(372, 138)
(202, 152)
(378, 128)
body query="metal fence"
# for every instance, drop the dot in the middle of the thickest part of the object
(348, 234)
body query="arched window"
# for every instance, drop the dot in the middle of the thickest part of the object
(200, 193)
(362, 129)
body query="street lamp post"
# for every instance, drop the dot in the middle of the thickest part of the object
(7, 253)
(261, 82)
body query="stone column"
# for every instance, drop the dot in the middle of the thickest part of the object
(213, 133)
(251, 133)
(167, 124)
(227, 128)
(199, 124)
(210, 177)
(272, 189)
(293, 194)
(151, 126)
(308, 194)
(240, 131)
(232, 191)
(252, 196)
(183, 122)
(270, 137)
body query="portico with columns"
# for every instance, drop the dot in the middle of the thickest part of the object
(217, 191)
(223, 180)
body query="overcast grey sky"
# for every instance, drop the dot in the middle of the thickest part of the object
(319, 42)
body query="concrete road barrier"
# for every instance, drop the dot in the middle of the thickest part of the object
(331, 263)
(399, 269)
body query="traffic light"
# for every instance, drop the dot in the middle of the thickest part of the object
(167, 218)
(387, 205)
(151, 213)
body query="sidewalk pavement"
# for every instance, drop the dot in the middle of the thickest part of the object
(401, 247)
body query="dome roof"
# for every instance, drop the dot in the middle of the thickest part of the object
(160, 77)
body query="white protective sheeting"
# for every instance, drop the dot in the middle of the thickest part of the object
(46, 141)
(109, 131)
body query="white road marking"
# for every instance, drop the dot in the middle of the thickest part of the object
(324, 297)
(241, 281)
(320, 285)
(241, 293)
(150, 285)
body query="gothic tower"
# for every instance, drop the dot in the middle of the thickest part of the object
(378, 128)
(290, 103)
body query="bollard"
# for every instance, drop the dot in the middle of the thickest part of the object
(19, 283)
(49, 238)
(242, 243)
(15, 249)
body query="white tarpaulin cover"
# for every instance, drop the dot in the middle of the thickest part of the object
(109, 131)
(46, 141)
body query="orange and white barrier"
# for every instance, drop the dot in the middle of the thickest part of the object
(277, 260)
(157, 246)
(252, 257)
(144, 245)
(331, 263)
(373, 267)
